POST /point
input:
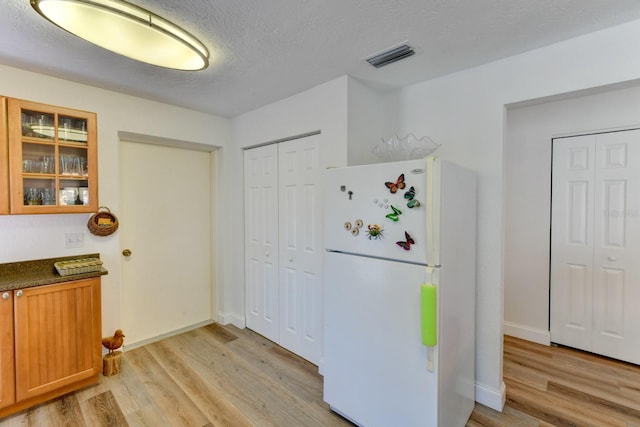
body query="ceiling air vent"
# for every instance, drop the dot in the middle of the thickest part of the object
(391, 55)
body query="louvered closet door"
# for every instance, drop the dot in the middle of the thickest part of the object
(261, 240)
(300, 247)
(595, 253)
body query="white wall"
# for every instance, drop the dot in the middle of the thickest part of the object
(42, 236)
(366, 121)
(466, 113)
(528, 195)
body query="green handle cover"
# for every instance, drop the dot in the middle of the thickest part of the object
(429, 315)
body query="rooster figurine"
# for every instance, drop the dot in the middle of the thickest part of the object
(114, 342)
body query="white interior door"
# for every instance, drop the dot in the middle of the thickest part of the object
(595, 274)
(301, 247)
(261, 240)
(165, 220)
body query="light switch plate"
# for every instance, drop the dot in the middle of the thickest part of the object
(73, 240)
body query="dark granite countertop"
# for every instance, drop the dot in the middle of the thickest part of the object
(27, 274)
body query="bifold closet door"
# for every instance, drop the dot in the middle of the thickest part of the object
(595, 244)
(301, 247)
(283, 244)
(261, 240)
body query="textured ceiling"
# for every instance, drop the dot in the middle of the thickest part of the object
(265, 50)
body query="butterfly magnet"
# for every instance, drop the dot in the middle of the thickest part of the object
(406, 245)
(395, 186)
(411, 201)
(394, 215)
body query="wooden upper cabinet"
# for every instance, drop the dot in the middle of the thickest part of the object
(4, 159)
(53, 160)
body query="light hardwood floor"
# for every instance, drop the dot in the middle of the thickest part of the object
(224, 376)
(558, 386)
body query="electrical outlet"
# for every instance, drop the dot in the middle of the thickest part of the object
(73, 240)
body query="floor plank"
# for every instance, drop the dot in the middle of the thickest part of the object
(168, 397)
(103, 410)
(218, 409)
(65, 410)
(148, 416)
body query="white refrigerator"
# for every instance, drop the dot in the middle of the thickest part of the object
(395, 232)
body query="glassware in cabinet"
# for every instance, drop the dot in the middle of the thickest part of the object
(52, 158)
(37, 124)
(72, 129)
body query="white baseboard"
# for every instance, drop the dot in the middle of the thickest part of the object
(527, 333)
(223, 318)
(491, 397)
(168, 334)
(232, 318)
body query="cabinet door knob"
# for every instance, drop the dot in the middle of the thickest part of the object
(19, 293)
(126, 252)
(5, 295)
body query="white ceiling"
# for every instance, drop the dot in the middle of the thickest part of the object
(265, 50)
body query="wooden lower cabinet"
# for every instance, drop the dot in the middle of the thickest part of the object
(57, 341)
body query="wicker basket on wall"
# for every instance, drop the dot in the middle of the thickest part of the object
(103, 222)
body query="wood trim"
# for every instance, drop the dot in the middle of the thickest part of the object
(4, 159)
(7, 370)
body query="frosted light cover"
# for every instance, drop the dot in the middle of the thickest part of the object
(127, 30)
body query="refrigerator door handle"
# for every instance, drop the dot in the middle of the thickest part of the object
(431, 351)
(430, 271)
(432, 215)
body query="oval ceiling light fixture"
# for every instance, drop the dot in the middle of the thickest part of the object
(128, 30)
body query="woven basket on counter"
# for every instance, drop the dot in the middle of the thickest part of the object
(103, 223)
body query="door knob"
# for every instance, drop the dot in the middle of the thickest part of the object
(267, 254)
(5, 295)
(290, 259)
(126, 252)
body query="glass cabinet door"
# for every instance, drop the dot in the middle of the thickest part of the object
(53, 159)
(4, 159)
